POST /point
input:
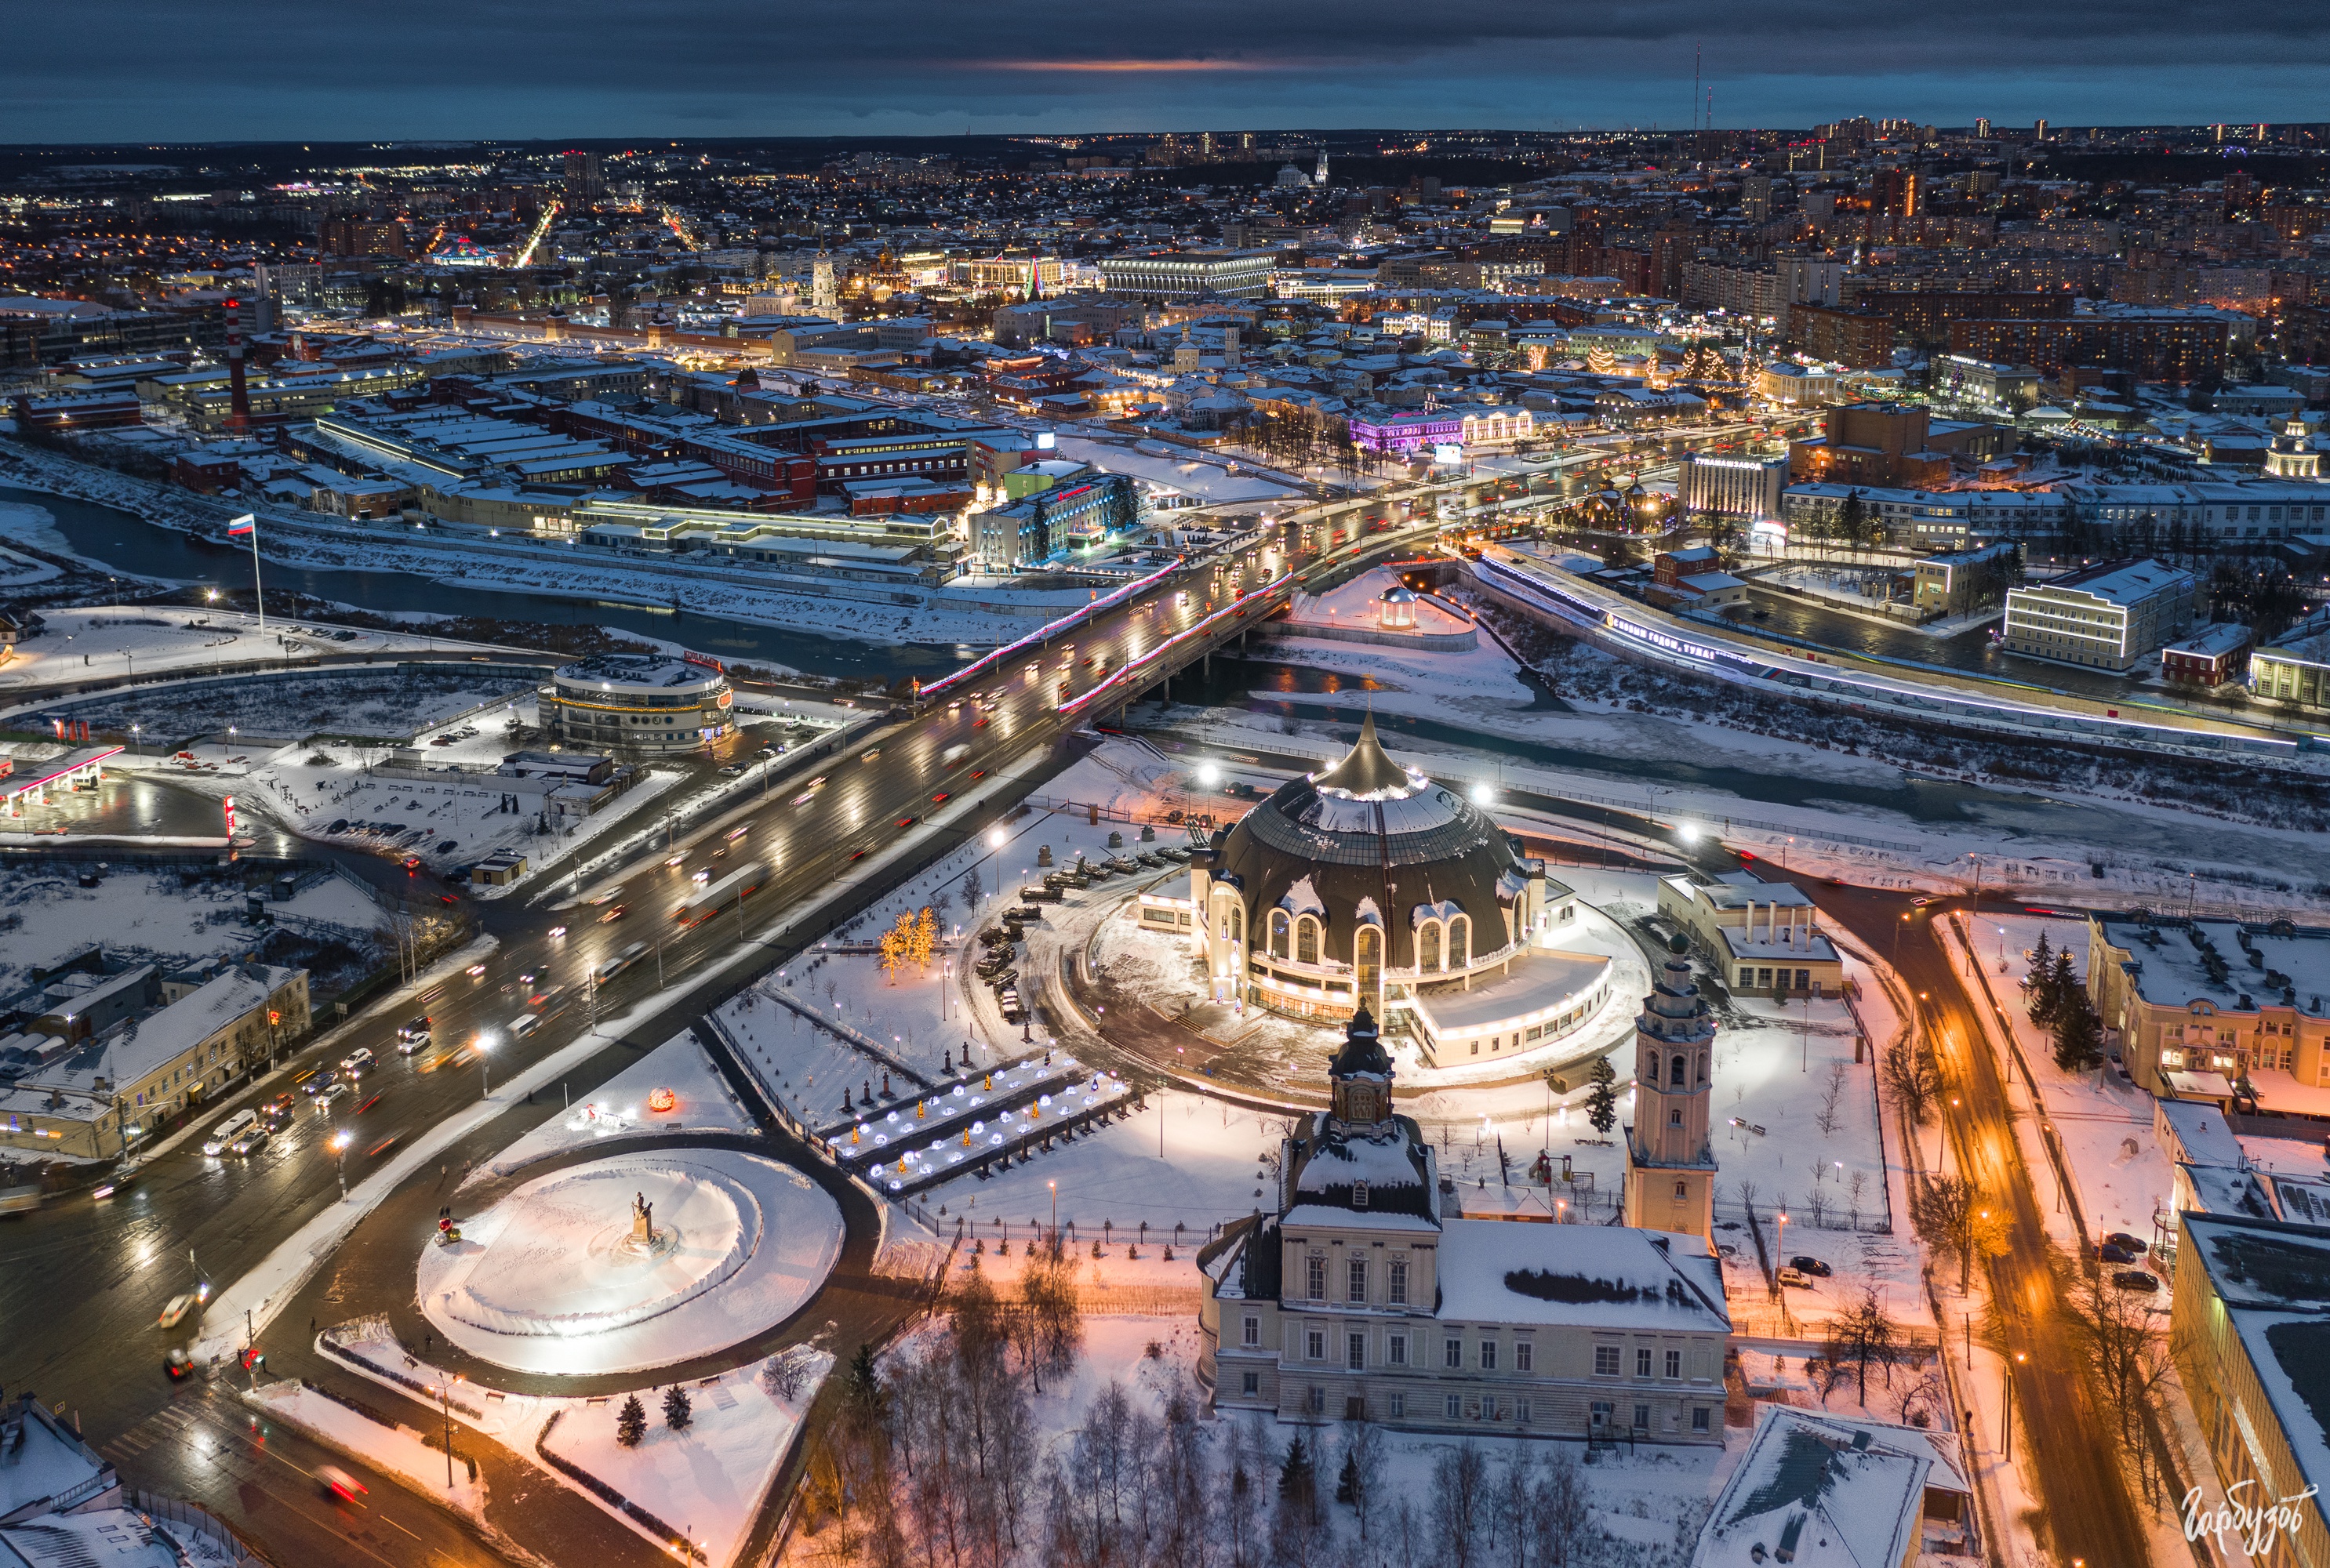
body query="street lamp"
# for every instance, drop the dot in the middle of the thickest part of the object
(2006, 1426)
(485, 1064)
(995, 840)
(1055, 1209)
(340, 1141)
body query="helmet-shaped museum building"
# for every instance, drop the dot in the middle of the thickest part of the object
(1371, 885)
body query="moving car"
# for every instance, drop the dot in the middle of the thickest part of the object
(358, 1060)
(614, 914)
(1809, 1265)
(339, 1484)
(179, 1306)
(525, 1023)
(413, 1029)
(223, 1135)
(250, 1139)
(1796, 1276)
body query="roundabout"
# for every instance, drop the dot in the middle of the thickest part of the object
(632, 1262)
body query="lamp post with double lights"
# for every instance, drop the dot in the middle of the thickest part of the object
(486, 1042)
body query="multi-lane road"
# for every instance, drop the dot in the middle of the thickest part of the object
(82, 1280)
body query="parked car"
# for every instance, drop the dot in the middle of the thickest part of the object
(2135, 1280)
(2122, 1239)
(1811, 1265)
(2113, 1252)
(1797, 1276)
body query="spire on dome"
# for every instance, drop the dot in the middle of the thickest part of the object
(1360, 1074)
(1367, 769)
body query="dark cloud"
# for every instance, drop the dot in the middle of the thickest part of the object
(266, 68)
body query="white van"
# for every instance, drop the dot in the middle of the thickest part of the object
(525, 1023)
(227, 1131)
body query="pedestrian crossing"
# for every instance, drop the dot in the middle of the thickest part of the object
(179, 1418)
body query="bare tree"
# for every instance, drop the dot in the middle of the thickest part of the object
(2123, 1344)
(1915, 1078)
(1559, 1511)
(1855, 1185)
(1511, 1505)
(1460, 1503)
(1833, 1098)
(1862, 1333)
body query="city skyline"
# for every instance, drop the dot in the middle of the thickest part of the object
(262, 71)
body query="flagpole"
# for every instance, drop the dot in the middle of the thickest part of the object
(258, 593)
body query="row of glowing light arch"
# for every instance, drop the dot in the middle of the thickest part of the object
(1125, 673)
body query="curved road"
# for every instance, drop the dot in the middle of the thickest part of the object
(82, 1279)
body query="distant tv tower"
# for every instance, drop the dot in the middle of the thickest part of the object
(1321, 177)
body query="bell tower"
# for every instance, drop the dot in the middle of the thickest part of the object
(1669, 1162)
(1361, 1076)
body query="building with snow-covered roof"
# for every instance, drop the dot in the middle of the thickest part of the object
(1367, 886)
(1363, 1296)
(2249, 1327)
(2218, 1010)
(1820, 1491)
(1761, 936)
(99, 1098)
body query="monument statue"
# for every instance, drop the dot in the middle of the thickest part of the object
(642, 1218)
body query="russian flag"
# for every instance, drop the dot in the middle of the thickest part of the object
(245, 524)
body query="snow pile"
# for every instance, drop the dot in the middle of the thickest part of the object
(552, 1278)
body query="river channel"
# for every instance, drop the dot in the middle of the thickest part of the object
(123, 540)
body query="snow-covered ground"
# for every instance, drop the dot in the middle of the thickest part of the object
(1650, 1499)
(554, 1276)
(2019, 842)
(98, 641)
(457, 810)
(629, 1106)
(1205, 1165)
(150, 916)
(384, 705)
(709, 1480)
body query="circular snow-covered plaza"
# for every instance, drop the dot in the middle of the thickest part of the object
(632, 1261)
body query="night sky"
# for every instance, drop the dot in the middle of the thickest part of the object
(129, 70)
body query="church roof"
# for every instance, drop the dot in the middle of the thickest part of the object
(1362, 1050)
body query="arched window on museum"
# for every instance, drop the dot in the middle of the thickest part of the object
(1428, 948)
(1278, 933)
(1306, 940)
(1234, 923)
(1460, 941)
(1367, 955)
